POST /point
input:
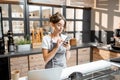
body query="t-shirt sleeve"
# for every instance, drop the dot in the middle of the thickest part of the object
(45, 44)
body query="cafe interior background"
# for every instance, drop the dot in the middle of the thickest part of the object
(88, 21)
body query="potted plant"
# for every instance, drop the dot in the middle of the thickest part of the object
(23, 45)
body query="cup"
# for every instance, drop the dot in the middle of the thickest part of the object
(15, 75)
(73, 42)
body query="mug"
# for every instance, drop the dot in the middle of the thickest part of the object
(15, 75)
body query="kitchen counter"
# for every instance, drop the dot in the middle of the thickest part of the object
(104, 47)
(96, 69)
(93, 67)
(32, 59)
(38, 50)
(34, 55)
(15, 54)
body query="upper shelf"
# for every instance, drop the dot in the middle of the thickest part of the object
(75, 3)
(48, 2)
(11, 1)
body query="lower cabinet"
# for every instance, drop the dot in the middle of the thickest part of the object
(100, 54)
(72, 60)
(36, 61)
(25, 63)
(95, 54)
(83, 55)
(114, 54)
(19, 63)
(104, 54)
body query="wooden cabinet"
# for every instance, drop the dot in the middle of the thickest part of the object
(36, 61)
(104, 54)
(101, 54)
(25, 63)
(83, 55)
(19, 63)
(114, 54)
(95, 52)
(72, 60)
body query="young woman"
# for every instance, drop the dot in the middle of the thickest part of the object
(55, 50)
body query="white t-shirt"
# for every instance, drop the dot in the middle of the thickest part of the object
(46, 42)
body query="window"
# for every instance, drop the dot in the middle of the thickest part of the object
(79, 14)
(69, 13)
(4, 10)
(70, 26)
(22, 19)
(18, 26)
(17, 11)
(34, 11)
(46, 12)
(5, 26)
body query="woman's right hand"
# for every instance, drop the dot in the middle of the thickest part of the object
(59, 42)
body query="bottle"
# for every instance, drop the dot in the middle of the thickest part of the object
(10, 46)
(10, 41)
(78, 37)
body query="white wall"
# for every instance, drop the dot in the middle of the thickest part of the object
(106, 15)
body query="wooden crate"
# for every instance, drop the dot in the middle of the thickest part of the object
(36, 45)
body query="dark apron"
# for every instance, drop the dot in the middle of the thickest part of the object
(59, 60)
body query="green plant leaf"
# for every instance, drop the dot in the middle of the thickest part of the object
(22, 42)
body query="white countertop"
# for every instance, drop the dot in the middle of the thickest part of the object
(23, 78)
(84, 68)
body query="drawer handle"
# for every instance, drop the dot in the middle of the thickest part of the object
(84, 50)
(31, 57)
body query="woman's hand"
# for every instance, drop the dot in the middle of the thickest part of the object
(59, 42)
(67, 46)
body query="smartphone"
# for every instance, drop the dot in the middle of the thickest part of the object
(66, 40)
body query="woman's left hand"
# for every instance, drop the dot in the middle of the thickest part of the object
(68, 53)
(67, 46)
